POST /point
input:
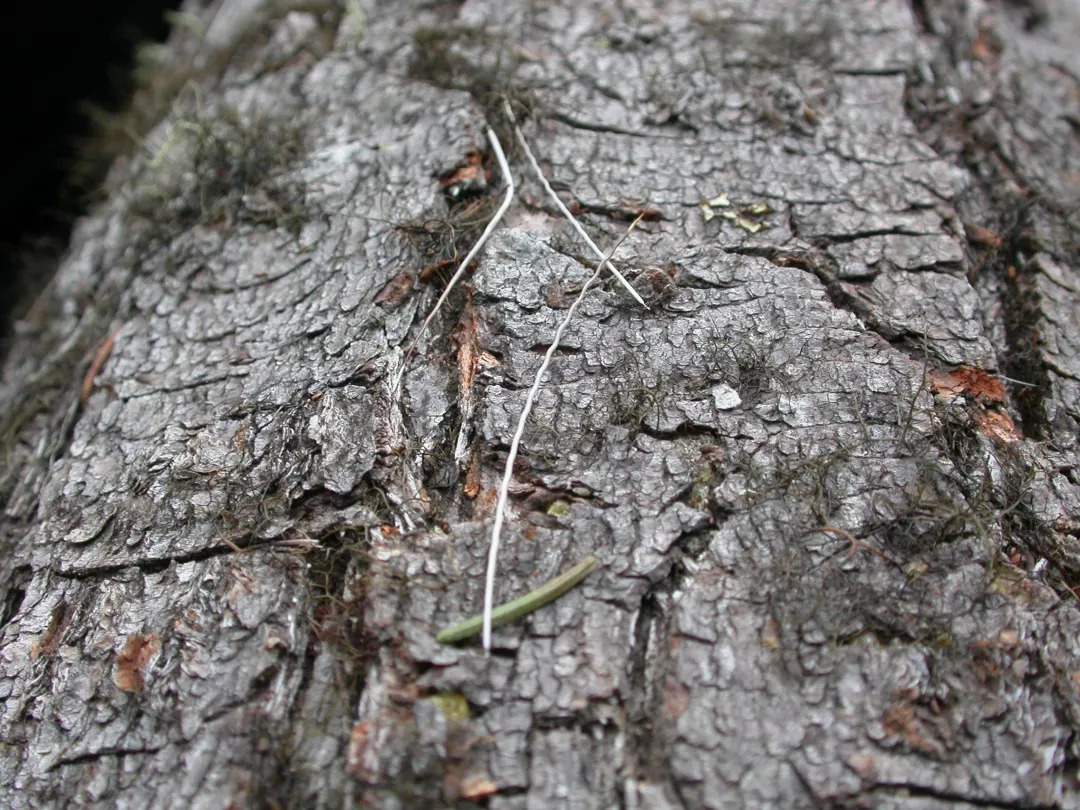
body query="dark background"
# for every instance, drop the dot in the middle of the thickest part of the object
(58, 60)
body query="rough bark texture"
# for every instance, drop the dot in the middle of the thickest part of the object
(839, 549)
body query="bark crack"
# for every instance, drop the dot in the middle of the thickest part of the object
(94, 756)
(153, 565)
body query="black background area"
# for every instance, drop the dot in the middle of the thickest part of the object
(57, 60)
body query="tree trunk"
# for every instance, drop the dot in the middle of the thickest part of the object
(830, 473)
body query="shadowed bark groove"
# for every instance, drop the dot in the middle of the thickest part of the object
(830, 473)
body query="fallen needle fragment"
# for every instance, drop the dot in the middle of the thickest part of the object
(100, 356)
(515, 442)
(566, 211)
(523, 606)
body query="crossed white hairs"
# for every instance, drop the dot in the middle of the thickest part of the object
(605, 261)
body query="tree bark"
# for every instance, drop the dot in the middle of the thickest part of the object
(830, 472)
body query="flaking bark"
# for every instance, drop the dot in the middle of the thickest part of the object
(830, 475)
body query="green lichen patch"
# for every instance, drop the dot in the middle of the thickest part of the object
(224, 169)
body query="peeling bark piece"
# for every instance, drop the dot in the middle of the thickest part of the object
(968, 380)
(129, 668)
(998, 425)
(466, 178)
(477, 787)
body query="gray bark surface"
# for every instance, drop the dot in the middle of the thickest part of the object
(830, 474)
